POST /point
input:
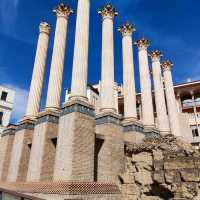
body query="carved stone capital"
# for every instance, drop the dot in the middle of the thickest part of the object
(44, 27)
(167, 65)
(63, 10)
(142, 43)
(108, 11)
(126, 29)
(155, 55)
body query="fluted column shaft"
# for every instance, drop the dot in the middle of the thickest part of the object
(57, 64)
(80, 62)
(145, 84)
(171, 100)
(161, 110)
(107, 69)
(130, 111)
(34, 98)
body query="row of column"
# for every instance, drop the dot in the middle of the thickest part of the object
(80, 68)
(80, 61)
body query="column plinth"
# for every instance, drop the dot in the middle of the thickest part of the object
(161, 110)
(42, 157)
(130, 112)
(171, 100)
(145, 84)
(107, 70)
(34, 98)
(56, 73)
(7, 138)
(20, 153)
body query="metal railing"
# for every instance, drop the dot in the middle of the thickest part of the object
(191, 103)
(192, 115)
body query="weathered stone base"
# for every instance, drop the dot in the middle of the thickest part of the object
(21, 152)
(110, 155)
(66, 190)
(41, 165)
(76, 138)
(6, 145)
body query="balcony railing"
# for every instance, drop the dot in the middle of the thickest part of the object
(191, 103)
(192, 115)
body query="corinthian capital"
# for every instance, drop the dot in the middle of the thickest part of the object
(167, 65)
(142, 43)
(63, 10)
(126, 29)
(108, 11)
(155, 55)
(44, 27)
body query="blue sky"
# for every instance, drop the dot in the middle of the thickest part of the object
(172, 26)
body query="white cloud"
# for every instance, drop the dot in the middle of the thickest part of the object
(21, 96)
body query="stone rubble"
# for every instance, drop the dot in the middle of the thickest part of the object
(161, 168)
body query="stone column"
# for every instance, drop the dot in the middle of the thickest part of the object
(161, 110)
(74, 159)
(80, 62)
(109, 156)
(56, 74)
(34, 98)
(42, 157)
(171, 101)
(107, 71)
(145, 84)
(20, 153)
(130, 112)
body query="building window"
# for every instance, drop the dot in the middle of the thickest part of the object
(195, 133)
(1, 118)
(4, 96)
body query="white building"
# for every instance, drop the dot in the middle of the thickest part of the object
(7, 97)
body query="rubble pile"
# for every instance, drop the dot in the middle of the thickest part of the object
(161, 168)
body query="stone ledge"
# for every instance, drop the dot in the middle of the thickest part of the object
(78, 106)
(9, 130)
(48, 116)
(75, 188)
(105, 118)
(133, 127)
(27, 125)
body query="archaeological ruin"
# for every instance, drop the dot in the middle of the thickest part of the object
(78, 151)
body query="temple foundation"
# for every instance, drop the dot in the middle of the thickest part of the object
(6, 143)
(21, 151)
(43, 151)
(75, 149)
(110, 156)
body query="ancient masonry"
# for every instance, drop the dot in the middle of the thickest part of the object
(73, 152)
